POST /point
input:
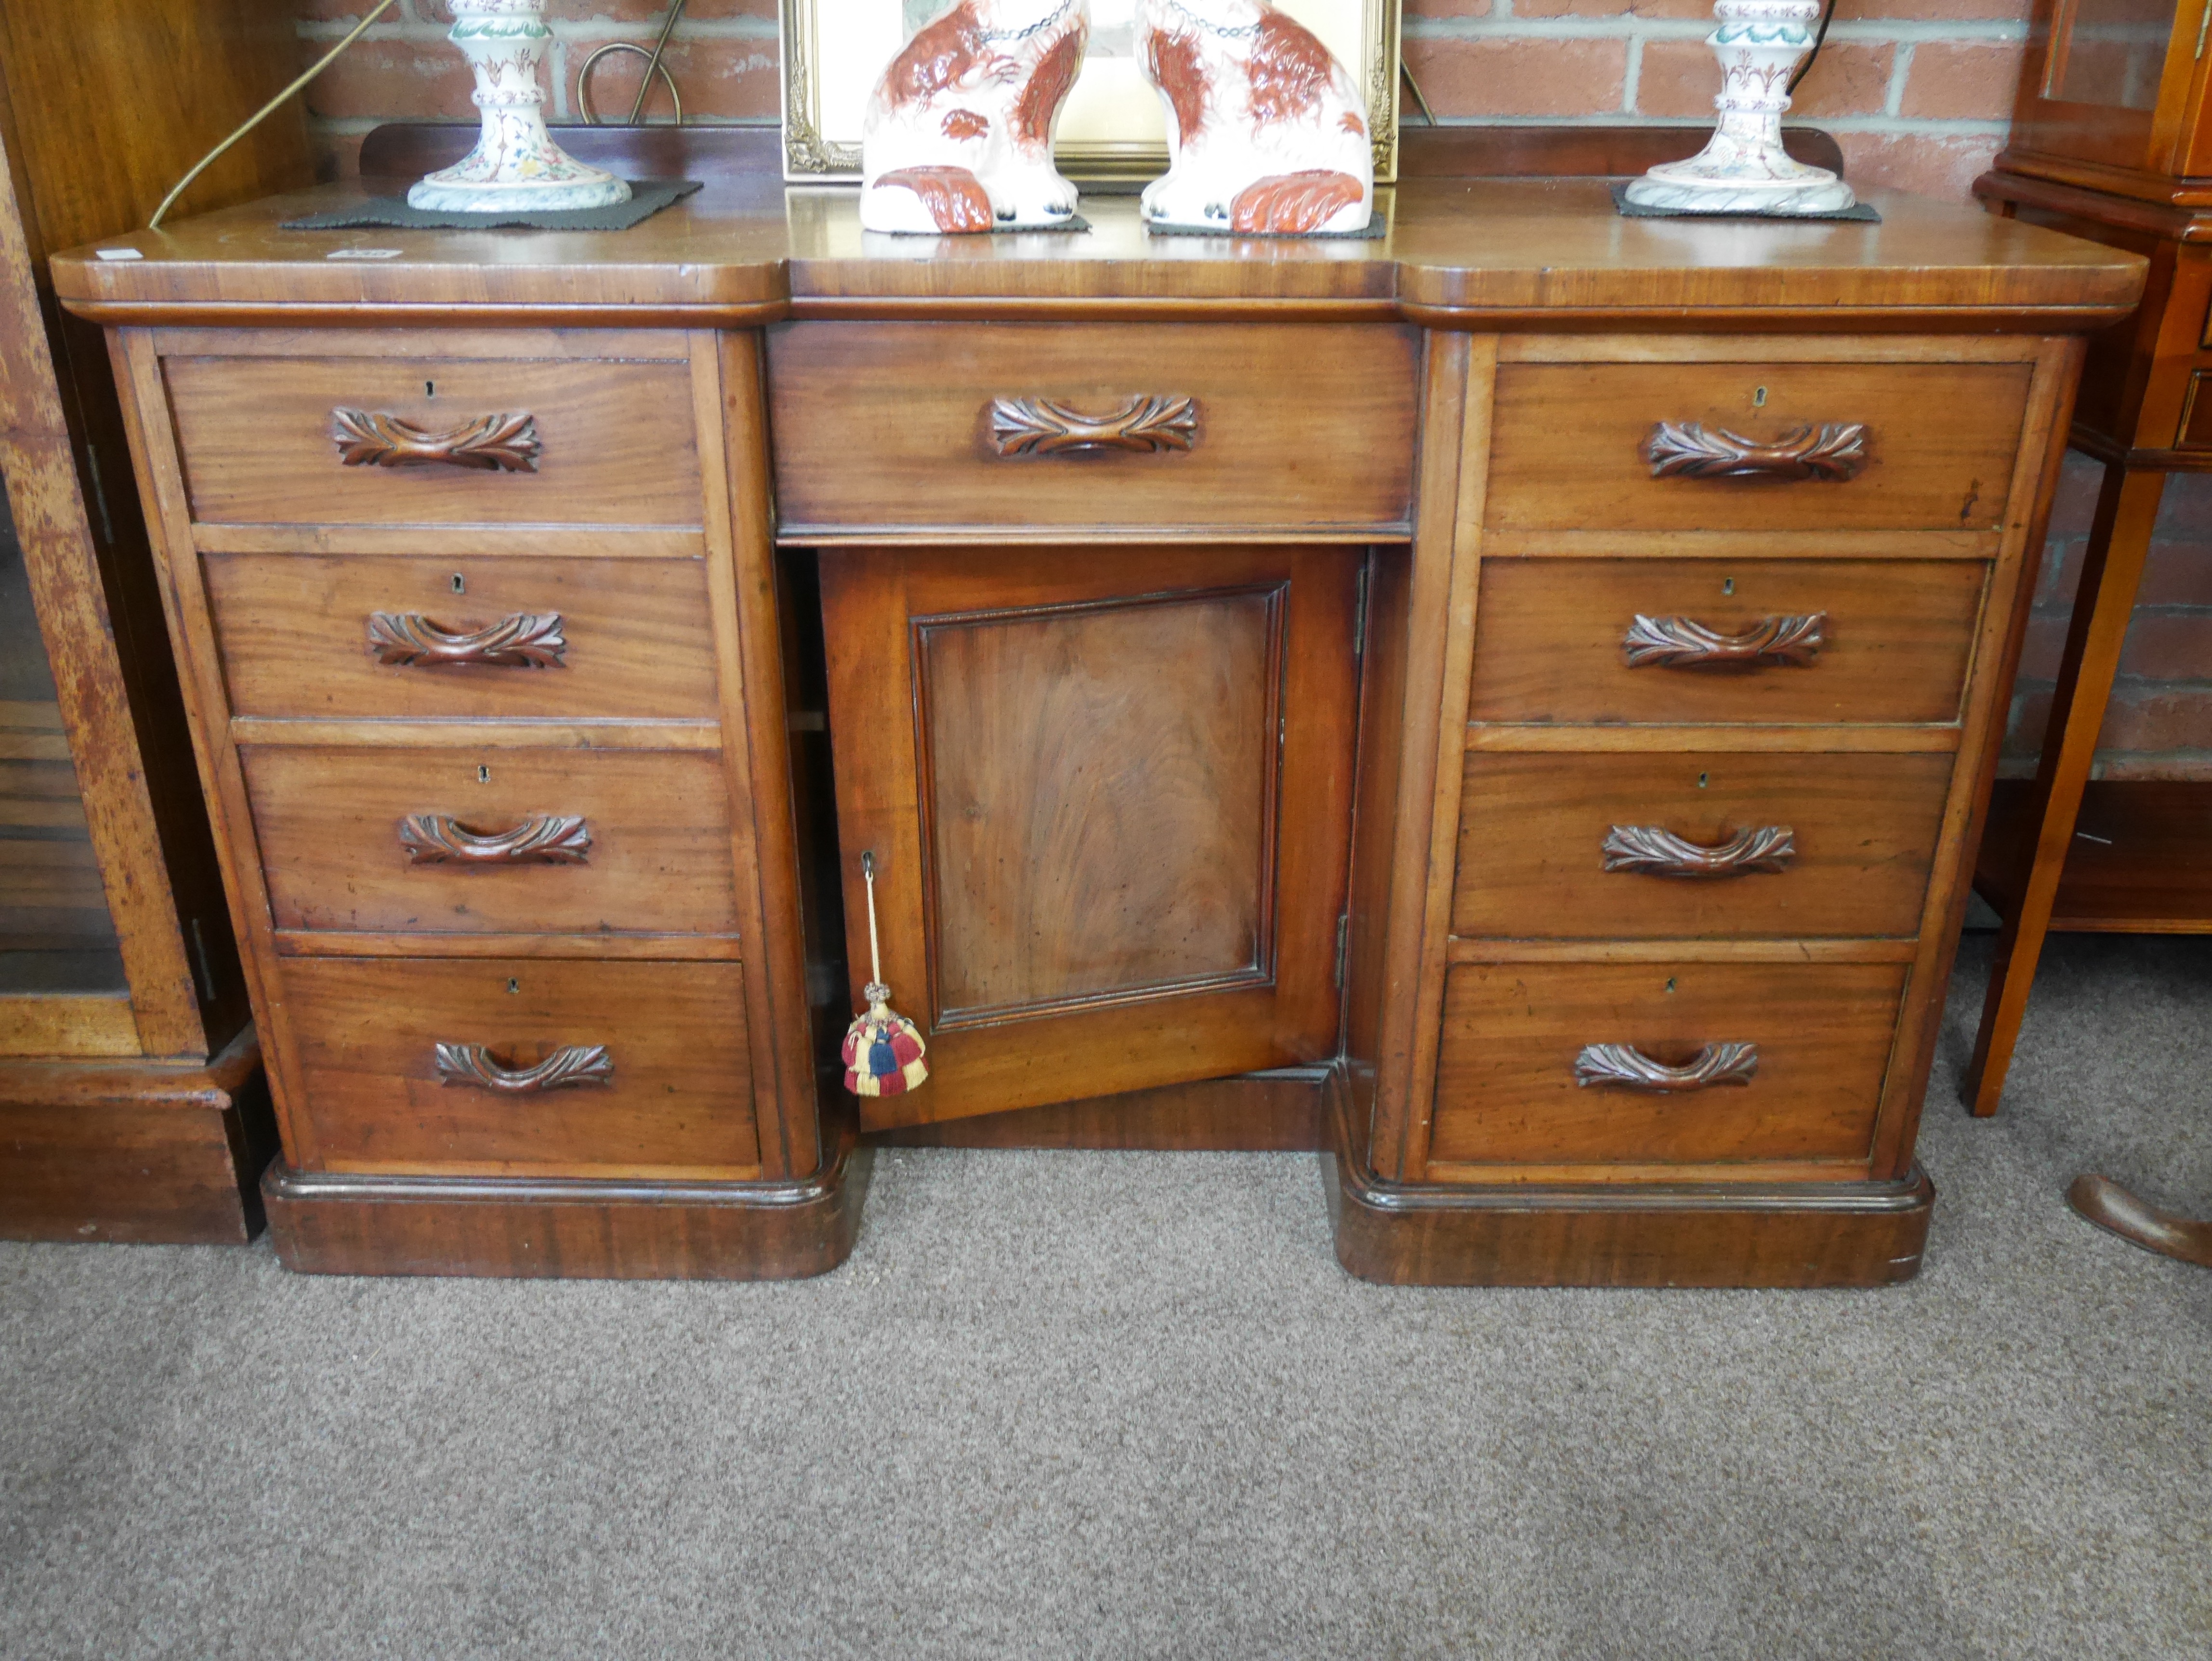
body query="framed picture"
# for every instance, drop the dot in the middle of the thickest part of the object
(1112, 125)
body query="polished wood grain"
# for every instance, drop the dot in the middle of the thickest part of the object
(1165, 739)
(889, 425)
(1554, 646)
(2135, 865)
(1095, 771)
(1257, 1113)
(139, 1151)
(1653, 1234)
(334, 827)
(1460, 252)
(329, 1223)
(1573, 445)
(1508, 1091)
(616, 440)
(299, 638)
(1537, 839)
(675, 1106)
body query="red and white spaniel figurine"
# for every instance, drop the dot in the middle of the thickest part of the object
(958, 134)
(1266, 129)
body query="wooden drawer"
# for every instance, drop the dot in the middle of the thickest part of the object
(1514, 1034)
(1569, 445)
(1554, 640)
(607, 441)
(671, 1098)
(331, 821)
(1578, 846)
(357, 637)
(1306, 427)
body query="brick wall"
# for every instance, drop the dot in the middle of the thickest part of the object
(1917, 91)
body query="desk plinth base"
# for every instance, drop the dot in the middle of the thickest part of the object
(135, 1151)
(1681, 1234)
(328, 1224)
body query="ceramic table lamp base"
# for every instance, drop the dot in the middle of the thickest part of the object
(516, 164)
(1744, 168)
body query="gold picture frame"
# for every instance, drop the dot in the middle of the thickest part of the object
(1112, 125)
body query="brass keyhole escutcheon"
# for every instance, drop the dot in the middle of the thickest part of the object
(1728, 585)
(484, 775)
(1759, 399)
(460, 583)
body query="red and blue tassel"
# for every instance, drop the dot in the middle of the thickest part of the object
(884, 1052)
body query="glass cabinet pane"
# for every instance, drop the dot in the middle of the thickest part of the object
(2110, 52)
(56, 935)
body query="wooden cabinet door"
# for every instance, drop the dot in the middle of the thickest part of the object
(1108, 793)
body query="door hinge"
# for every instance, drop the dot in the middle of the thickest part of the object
(1343, 946)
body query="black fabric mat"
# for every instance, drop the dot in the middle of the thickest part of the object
(648, 196)
(1860, 212)
(1377, 228)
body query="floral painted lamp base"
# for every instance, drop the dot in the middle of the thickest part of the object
(1744, 169)
(516, 165)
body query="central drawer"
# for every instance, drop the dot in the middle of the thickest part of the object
(499, 1067)
(1149, 426)
(563, 842)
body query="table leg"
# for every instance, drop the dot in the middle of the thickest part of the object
(2111, 570)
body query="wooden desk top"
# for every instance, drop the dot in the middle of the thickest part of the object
(1480, 254)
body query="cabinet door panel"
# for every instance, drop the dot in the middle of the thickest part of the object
(1108, 801)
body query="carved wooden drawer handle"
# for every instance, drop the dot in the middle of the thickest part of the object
(524, 640)
(1685, 643)
(1037, 426)
(541, 839)
(1653, 851)
(566, 1068)
(1627, 1067)
(492, 443)
(1834, 450)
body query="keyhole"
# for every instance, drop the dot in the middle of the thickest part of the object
(1701, 779)
(1728, 585)
(1670, 983)
(460, 584)
(514, 986)
(430, 390)
(1759, 399)
(484, 775)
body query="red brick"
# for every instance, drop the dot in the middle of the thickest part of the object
(1681, 77)
(2195, 764)
(1416, 8)
(2154, 718)
(393, 80)
(1519, 77)
(1928, 163)
(717, 76)
(2038, 652)
(2061, 575)
(1613, 9)
(2177, 573)
(2169, 646)
(1951, 81)
(337, 154)
(2074, 503)
(2185, 509)
(1963, 11)
(2030, 714)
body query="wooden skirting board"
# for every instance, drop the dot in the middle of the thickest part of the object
(1688, 1234)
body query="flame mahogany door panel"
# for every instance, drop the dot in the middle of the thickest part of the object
(1109, 794)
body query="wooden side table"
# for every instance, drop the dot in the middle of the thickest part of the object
(2124, 160)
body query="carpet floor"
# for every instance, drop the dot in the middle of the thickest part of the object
(1068, 1404)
